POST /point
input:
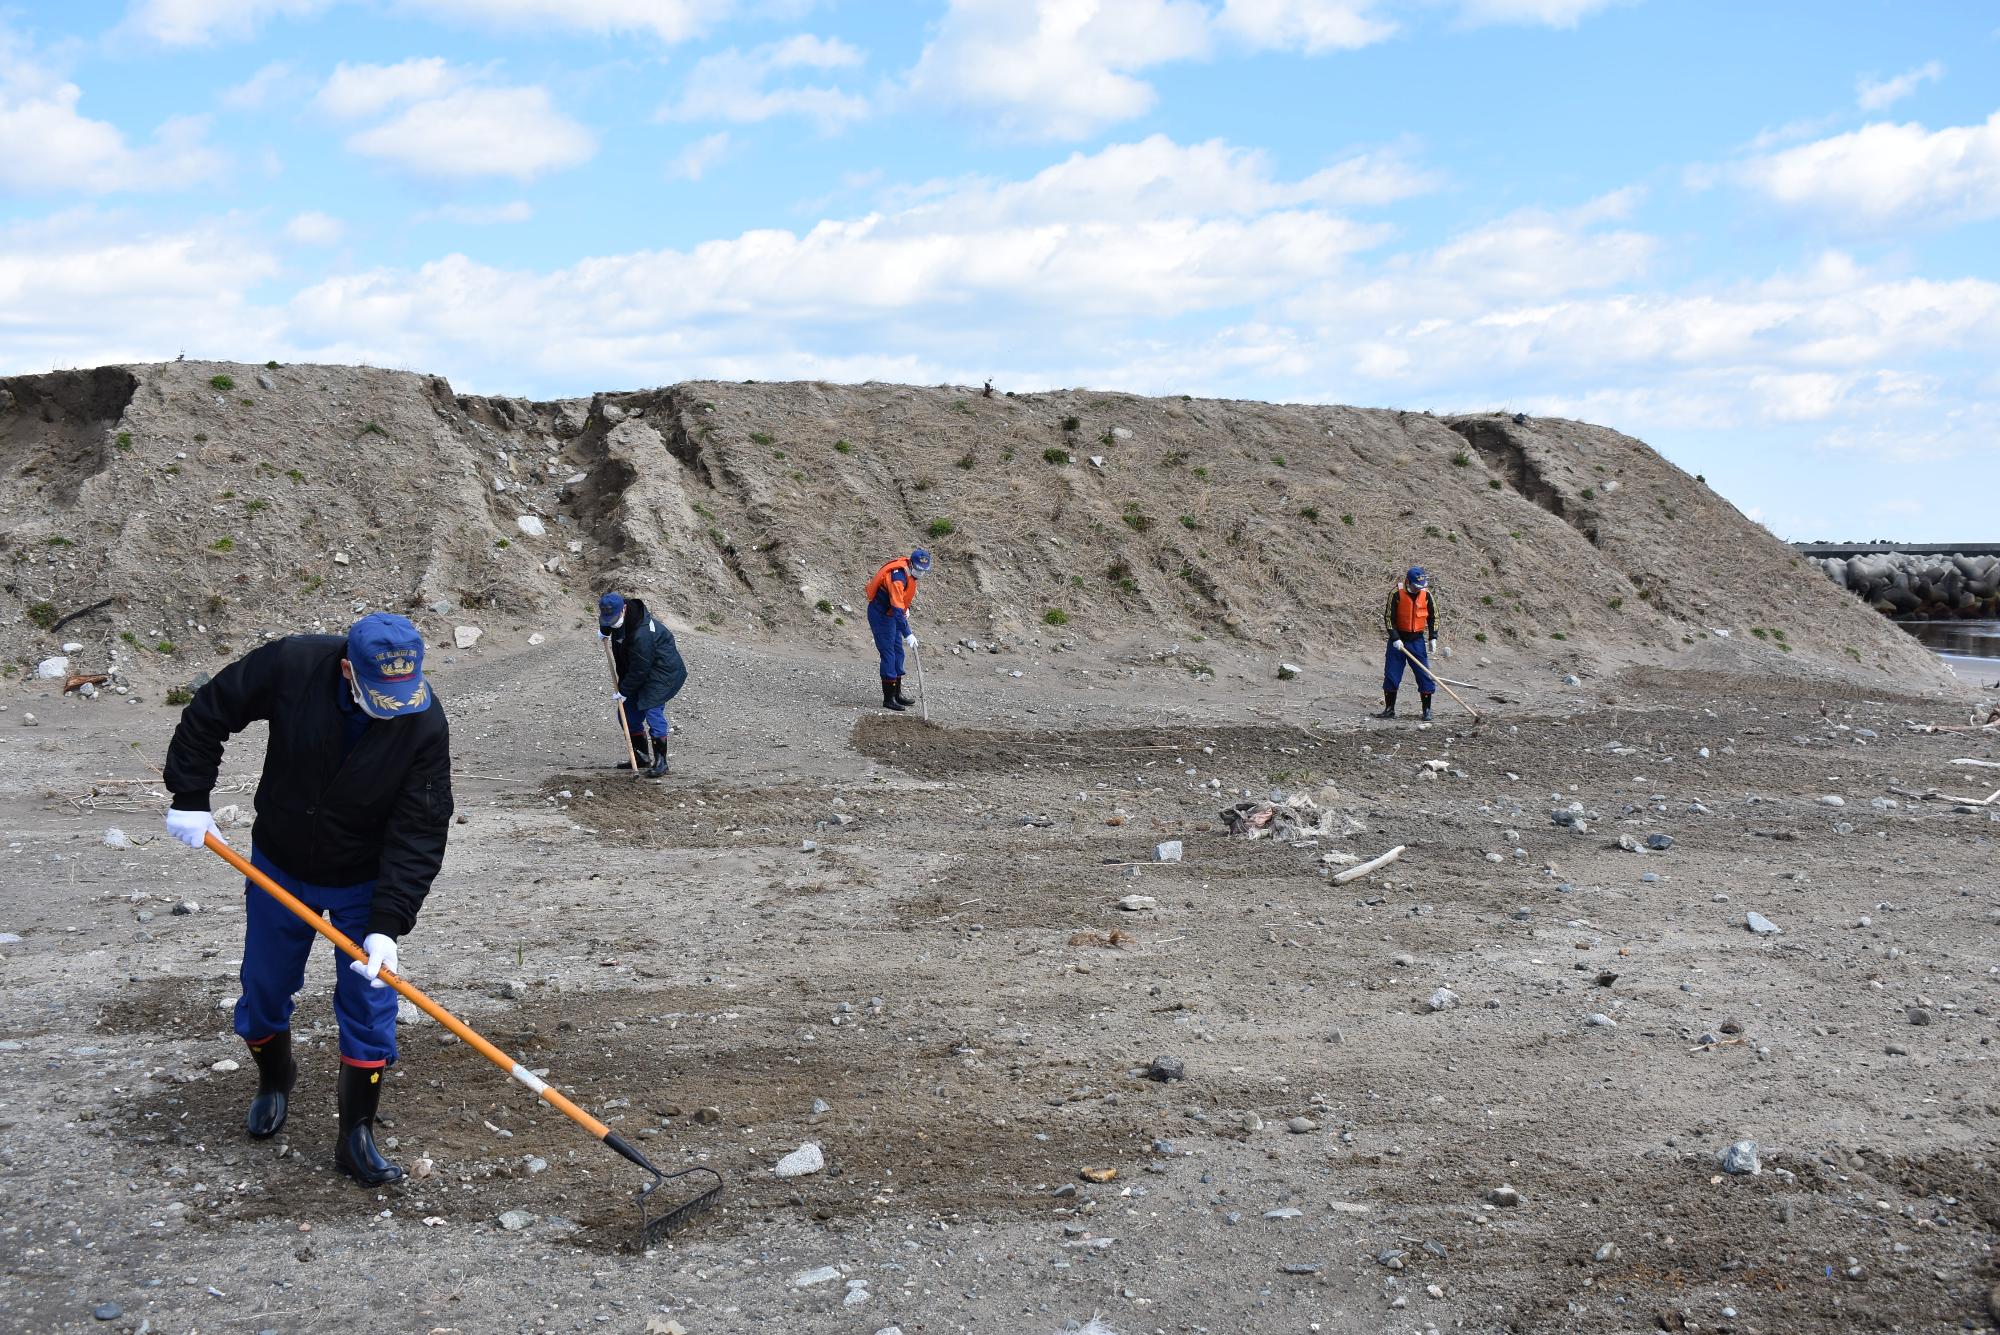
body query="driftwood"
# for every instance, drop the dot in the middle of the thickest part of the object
(60, 622)
(1373, 864)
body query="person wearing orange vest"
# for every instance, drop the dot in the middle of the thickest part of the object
(889, 595)
(1411, 619)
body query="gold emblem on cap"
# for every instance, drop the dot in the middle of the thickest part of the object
(393, 664)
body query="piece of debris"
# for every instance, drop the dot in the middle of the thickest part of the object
(1372, 864)
(1170, 851)
(1741, 1158)
(1164, 1069)
(465, 636)
(1761, 925)
(801, 1162)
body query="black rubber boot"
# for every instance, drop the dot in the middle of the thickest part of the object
(1388, 705)
(355, 1153)
(659, 765)
(1427, 709)
(902, 699)
(889, 700)
(276, 1073)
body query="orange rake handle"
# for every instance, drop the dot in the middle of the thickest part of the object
(425, 1004)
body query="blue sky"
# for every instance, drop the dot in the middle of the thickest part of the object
(1761, 237)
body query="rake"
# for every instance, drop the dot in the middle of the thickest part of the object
(652, 1228)
(1423, 670)
(623, 725)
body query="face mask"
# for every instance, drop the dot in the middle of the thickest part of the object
(354, 688)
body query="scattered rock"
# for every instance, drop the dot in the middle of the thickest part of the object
(1442, 1000)
(1659, 843)
(1919, 1016)
(52, 669)
(1605, 1252)
(1505, 1197)
(537, 638)
(1138, 903)
(465, 636)
(708, 1116)
(801, 1162)
(107, 1311)
(186, 908)
(516, 1220)
(1288, 671)
(1302, 1126)
(1170, 851)
(30, 721)
(825, 1274)
(1741, 1158)
(1299, 1268)
(1761, 925)
(1833, 800)
(1164, 1069)
(116, 838)
(340, 558)
(225, 1066)
(1599, 1020)
(1284, 1212)
(531, 525)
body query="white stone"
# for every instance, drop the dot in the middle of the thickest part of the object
(340, 558)
(465, 636)
(575, 546)
(574, 478)
(537, 638)
(825, 1274)
(1833, 800)
(531, 525)
(225, 1066)
(1170, 851)
(73, 647)
(52, 669)
(1137, 903)
(116, 838)
(801, 1162)
(1443, 999)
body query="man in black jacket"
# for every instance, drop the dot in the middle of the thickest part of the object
(650, 672)
(352, 812)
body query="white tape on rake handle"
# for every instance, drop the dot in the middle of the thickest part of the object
(528, 1078)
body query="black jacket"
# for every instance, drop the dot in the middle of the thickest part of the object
(650, 670)
(380, 814)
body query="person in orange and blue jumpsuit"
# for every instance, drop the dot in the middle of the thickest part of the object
(889, 596)
(1411, 619)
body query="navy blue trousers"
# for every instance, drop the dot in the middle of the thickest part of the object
(275, 947)
(888, 630)
(1392, 667)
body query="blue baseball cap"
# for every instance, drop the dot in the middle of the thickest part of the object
(920, 560)
(387, 655)
(609, 608)
(1417, 578)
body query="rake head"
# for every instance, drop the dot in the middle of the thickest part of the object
(654, 1228)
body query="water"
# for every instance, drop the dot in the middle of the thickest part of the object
(1971, 648)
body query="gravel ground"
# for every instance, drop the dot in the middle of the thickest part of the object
(903, 943)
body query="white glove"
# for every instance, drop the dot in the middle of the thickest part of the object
(617, 698)
(381, 955)
(190, 827)
(603, 634)
(910, 640)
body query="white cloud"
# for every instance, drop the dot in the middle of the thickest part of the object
(1886, 175)
(693, 162)
(732, 85)
(314, 229)
(272, 81)
(1056, 69)
(479, 215)
(198, 22)
(475, 132)
(354, 91)
(1872, 94)
(668, 20)
(51, 147)
(1549, 13)
(1311, 26)
(1158, 178)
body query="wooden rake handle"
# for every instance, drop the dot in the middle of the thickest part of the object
(623, 726)
(1424, 668)
(423, 1003)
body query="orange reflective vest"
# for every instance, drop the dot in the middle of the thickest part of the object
(900, 592)
(1413, 614)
